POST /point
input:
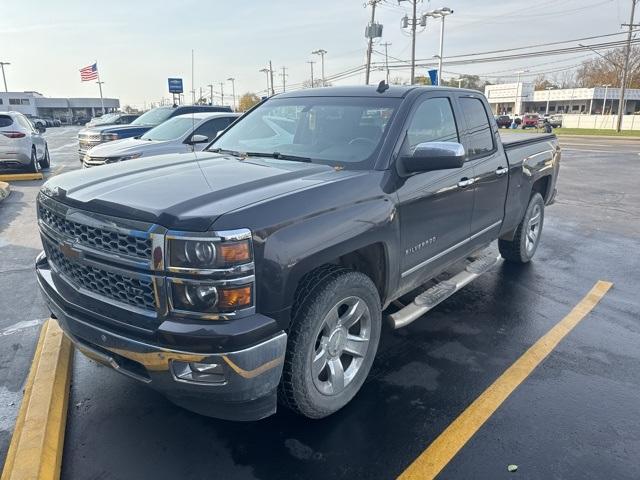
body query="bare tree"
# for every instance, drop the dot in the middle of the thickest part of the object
(608, 70)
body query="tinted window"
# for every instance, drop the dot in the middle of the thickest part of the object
(479, 131)
(5, 121)
(433, 121)
(211, 127)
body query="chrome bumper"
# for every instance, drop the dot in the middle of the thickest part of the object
(246, 390)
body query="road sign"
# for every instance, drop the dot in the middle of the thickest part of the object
(433, 75)
(175, 85)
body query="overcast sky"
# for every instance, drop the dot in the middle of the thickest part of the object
(139, 43)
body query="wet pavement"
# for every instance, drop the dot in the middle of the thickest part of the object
(577, 416)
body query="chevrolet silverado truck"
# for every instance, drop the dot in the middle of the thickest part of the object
(258, 272)
(100, 133)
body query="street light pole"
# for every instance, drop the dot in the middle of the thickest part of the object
(211, 92)
(233, 91)
(604, 103)
(386, 58)
(2, 64)
(519, 72)
(322, 53)
(221, 93)
(440, 13)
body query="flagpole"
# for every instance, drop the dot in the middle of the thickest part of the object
(100, 86)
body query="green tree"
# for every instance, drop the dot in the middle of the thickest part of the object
(247, 101)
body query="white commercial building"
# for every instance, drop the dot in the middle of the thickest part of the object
(65, 109)
(519, 98)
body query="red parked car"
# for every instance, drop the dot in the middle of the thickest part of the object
(530, 120)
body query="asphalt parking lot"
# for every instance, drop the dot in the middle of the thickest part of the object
(576, 417)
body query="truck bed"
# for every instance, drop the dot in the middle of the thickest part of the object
(512, 140)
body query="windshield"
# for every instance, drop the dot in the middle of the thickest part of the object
(106, 118)
(172, 129)
(344, 131)
(153, 117)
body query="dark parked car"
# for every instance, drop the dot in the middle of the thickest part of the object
(92, 136)
(259, 269)
(503, 121)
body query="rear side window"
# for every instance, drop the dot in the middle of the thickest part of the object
(433, 121)
(480, 136)
(210, 128)
(5, 121)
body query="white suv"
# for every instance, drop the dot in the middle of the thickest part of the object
(21, 143)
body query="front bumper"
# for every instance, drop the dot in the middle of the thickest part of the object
(247, 390)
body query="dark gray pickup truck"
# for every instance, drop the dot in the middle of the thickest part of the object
(261, 269)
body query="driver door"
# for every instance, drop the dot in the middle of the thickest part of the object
(435, 207)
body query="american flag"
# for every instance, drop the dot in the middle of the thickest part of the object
(89, 73)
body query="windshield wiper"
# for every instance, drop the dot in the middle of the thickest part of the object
(280, 156)
(230, 152)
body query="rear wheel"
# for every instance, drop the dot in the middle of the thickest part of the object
(332, 343)
(46, 160)
(527, 237)
(34, 165)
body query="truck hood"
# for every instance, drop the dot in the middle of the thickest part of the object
(184, 191)
(129, 146)
(117, 128)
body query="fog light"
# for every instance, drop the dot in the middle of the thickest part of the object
(198, 371)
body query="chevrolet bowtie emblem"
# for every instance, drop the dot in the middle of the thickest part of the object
(68, 251)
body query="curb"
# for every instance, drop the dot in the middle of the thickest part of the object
(5, 190)
(12, 177)
(38, 436)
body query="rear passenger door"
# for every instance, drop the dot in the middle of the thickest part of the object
(490, 166)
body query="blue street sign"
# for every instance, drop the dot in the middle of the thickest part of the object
(175, 85)
(433, 75)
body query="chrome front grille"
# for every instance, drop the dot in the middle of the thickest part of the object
(114, 286)
(96, 237)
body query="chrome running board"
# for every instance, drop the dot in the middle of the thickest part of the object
(441, 291)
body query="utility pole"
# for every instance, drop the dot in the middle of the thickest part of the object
(311, 62)
(211, 92)
(233, 91)
(273, 91)
(518, 104)
(413, 23)
(371, 32)
(266, 70)
(548, 89)
(604, 103)
(386, 58)
(200, 97)
(284, 76)
(221, 93)
(2, 64)
(322, 53)
(627, 53)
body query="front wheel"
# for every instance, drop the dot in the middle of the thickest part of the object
(527, 237)
(332, 343)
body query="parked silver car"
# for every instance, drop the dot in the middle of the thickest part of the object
(21, 143)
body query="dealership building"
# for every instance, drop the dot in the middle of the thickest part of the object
(65, 109)
(519, 98)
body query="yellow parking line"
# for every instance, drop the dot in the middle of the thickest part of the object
(35, 451)
(11, 177)
(459, 432)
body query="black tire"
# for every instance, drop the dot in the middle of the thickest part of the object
(34, 165)
(311, 392)
(527, 237)
(46, 160)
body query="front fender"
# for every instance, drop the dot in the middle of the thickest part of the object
(297, 248)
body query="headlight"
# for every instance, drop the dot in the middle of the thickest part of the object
(203, 297)
(208, 254)
(107, 137)
(129, 157)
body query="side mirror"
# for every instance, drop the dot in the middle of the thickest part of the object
(430, 156)
(218, 133)
(197, 139)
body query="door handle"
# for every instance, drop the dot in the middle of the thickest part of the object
(465, 182)
(501, 170)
